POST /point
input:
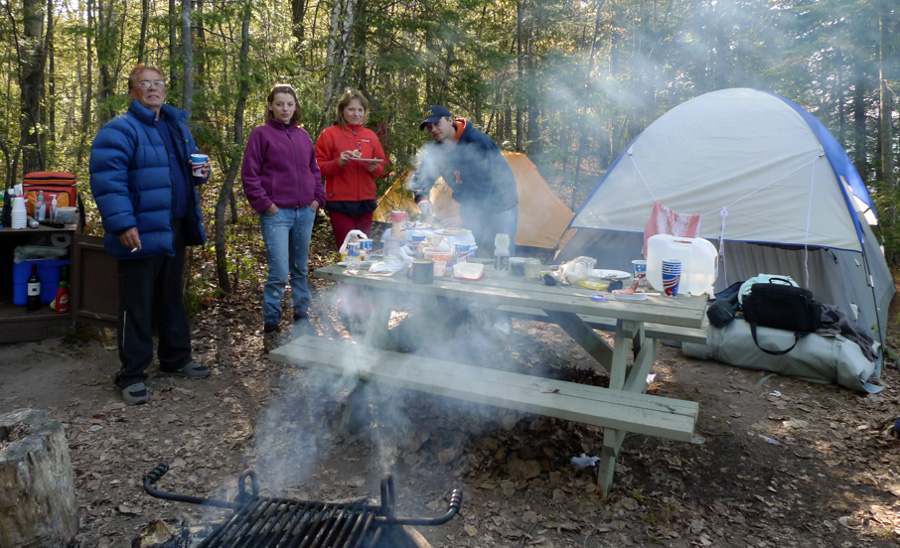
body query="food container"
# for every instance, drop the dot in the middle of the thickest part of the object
(437, 254)
(532, 268)
(517, 266)
(65, 214)
(468, 271)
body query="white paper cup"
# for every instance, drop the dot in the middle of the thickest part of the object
(197, 161)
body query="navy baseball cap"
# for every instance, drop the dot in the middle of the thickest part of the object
(433, 114)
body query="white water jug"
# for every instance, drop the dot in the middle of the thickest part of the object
(699, 262)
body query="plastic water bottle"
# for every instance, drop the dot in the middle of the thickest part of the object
(501, 254)
(54, 208)
(39, 210)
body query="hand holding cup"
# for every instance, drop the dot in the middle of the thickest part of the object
(200, 166)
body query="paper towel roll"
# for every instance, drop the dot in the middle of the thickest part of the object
(61, 240)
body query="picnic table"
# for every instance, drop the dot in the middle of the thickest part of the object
(621, 408)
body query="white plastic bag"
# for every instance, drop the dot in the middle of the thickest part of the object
(352, 236)
(576, 270)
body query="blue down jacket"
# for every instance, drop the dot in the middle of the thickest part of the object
(132, 185)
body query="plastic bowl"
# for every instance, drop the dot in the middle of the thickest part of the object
(468, 271)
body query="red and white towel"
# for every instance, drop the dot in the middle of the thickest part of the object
(665, 220)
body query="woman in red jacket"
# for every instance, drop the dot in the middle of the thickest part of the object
(351, 158)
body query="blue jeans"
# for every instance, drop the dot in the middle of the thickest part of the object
(286, 233)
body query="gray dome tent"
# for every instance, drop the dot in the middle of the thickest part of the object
(775, 192)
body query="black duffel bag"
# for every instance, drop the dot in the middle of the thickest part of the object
(723, 310)
(781, 305)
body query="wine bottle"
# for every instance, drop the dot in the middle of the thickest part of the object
(34, 289)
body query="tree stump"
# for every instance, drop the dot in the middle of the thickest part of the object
(37, 492)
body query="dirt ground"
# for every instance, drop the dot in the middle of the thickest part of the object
(785, 463)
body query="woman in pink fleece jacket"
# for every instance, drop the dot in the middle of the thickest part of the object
(283, 184)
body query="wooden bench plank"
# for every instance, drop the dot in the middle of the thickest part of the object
(653, 330)
(632, 412)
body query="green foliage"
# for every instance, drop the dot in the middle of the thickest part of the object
(589, 82)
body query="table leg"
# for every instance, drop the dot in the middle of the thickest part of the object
(636, 381)
(627, 378)
(377, 335)
(618, 368)
(354, 416)
(606, 466)
(585, 336)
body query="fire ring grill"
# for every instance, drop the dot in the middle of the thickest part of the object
(263, 522)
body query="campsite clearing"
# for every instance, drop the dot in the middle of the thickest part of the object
(832, 479)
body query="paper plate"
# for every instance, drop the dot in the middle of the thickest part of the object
(629, 296)
(606, 273)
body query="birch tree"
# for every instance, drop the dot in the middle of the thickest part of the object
(340, 45)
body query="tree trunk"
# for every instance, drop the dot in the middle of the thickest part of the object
(340, 44)
(298, 12)
(173, 43)
(187, 47)
(885, 106)
(226, 194)
(87, 96)
(37, 490)
(145, 21)
(32, 60)
(519, 72)
(107, 43)
(50, 96)
(859, 124)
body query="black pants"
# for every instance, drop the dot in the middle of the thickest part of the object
(152, 289)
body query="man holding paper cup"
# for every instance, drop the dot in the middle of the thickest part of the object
(144, 169)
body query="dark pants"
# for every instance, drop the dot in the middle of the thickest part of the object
(486, 225)
(153, 289)
(343, 224)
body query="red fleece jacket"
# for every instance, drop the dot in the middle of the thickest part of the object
(351, 182)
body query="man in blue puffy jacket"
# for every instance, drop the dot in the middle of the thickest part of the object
(142, 181)
(472, 165)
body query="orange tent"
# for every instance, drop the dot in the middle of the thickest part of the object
(543, 218)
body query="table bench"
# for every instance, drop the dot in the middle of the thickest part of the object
(653, 330)
(627, 411)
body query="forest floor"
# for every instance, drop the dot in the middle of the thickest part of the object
(784, 463)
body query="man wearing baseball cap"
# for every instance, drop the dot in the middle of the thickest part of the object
(472, 165)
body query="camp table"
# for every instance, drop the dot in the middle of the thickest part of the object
(623, 407)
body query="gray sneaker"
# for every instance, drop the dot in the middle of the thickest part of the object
(135, 394)
(190, 370)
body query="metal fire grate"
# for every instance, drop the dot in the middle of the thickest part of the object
(262, 522)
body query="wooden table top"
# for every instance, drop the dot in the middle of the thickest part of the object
(683, 310)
